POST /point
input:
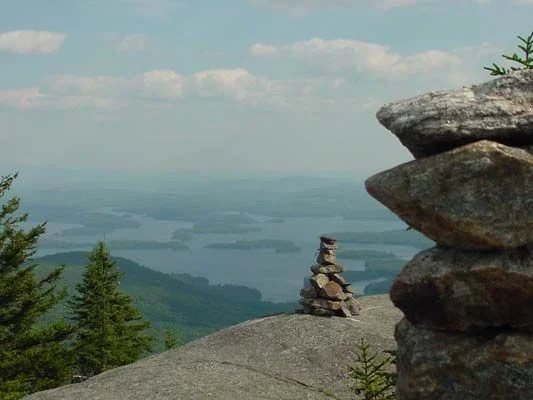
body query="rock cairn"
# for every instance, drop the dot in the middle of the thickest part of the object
(467, 331)
(329, 294)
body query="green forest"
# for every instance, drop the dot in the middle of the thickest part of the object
(191, 306)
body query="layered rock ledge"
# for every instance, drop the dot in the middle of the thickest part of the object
(454, 290)
(499, 110)
(495, 365)
(478, 196)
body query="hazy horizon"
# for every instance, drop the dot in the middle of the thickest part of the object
(59, 177)
(231, 89)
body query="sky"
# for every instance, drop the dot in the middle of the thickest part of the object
(232, 87)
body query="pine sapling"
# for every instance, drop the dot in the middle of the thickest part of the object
(172, 338)
(373, 381)
(526, 63)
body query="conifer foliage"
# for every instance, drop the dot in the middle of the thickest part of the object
(109, 329)
(32, 355)
(372, 380)
(526, 46)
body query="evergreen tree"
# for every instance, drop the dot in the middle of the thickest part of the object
(372, 380)
(172, 338)
(109, 328)
(32, 355)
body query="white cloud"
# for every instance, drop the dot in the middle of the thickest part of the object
(133, 43)
(23, 99)
(32, 98)
(164, 88)
(259, 49)
(338, 83)
(354, 55)
(155, 84)
(164, 84)
(302, 5)
(27, 41)
(242, 87)
(87, 85)
(237, 84)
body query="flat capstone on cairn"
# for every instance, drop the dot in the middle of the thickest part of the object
(467, 331)
(329, 294)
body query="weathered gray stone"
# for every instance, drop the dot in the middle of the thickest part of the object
(332, 291)
(498, 110)
(352, 305)
(478, 196)
(284, 357)
(318, 281)
(327, 269)
(345, 310)
(321, 303)
(308, 292)
(338, 278)
(431, 365)
(326, 259)
(328, 240)
(349, 289)
(326, 246)
(448, 289)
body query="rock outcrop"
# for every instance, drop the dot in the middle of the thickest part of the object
(495, 365)
(283, 357)
(454, 290)
(474, 197)
(329, 294)
(497, 110)
(468, 327)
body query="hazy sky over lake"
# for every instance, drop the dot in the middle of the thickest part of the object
(232, 86)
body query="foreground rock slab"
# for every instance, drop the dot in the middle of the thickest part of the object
(477, 196)
(284, 357)
(497, 365)
(498, 110)
(449, 289)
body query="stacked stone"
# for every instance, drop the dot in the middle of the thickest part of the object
(468, 327)
(329, 294)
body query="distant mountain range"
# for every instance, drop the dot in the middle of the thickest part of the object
(189, 304)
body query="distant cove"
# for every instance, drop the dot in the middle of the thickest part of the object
(278, 275)
(279, 246)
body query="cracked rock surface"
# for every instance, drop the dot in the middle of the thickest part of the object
(454, 290)
(292, 357)
(477, 196)
(495, 365)
(499, 110)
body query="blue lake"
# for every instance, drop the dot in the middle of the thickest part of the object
(279, 277)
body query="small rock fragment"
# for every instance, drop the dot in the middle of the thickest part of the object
(322, 303)
(326, 259)
(333, 291)
(319, 280)
(308, 292)
(327, 269)
(338, 278)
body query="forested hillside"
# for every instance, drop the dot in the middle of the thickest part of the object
(192, 306)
